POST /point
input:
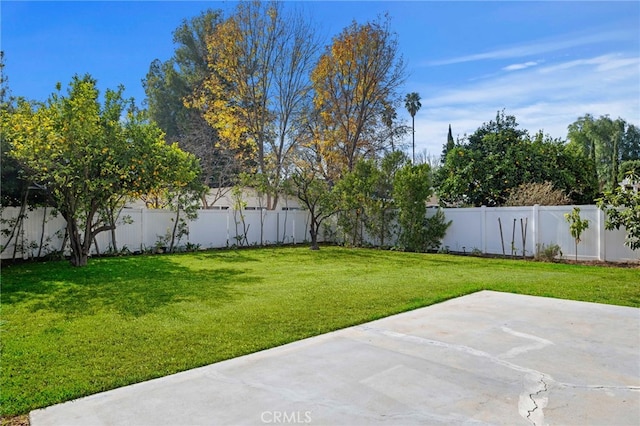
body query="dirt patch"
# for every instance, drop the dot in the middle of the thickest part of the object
(632, 264)
(22, 420)
(605, 264)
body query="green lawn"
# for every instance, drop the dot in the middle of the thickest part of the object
(71, 332)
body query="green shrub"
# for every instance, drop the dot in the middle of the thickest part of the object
(547, 253)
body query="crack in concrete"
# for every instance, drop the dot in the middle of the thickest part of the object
(599, 387)
(536, 383)
(538, 416)
(532, 376)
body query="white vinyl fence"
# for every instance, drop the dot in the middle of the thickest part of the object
(471, 229)
(145, 229)
(478, 228)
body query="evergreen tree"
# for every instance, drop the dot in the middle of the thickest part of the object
(448, 146)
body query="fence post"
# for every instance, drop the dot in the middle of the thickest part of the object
(535, 237)
(143, 233)
(602, 236)
(483, 224)
(228, 227)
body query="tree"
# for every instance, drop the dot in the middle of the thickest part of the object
(380, 208)
(354, 82)
(412, 189)
(629, 168)
(84, 154)
(622, 207)
(14, 189)
(169, 83)
(496, 136)
(181, 193)
(577, 225)
(630, 146)
(259, 61)
(448, 146)
(499, 157)
(365, 199)
(606, 143)
(412, 103)
(317, 196)
(353, 192)
(389, 116)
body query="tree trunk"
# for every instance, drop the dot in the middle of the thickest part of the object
(95, 243)
(18, 226)
(112, 222)
(614, 161)
(313, 229)
(274, 202)
(413, 140)
(382, 229)
(78, 255)
(80, 244)
(44, 222)
(175, 228)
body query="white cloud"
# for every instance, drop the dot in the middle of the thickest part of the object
(516, 67)
(546, 97)
(538, 48)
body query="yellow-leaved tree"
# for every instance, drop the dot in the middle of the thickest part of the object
(259, 61)
(355, 82)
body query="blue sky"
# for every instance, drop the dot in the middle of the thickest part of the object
(547, 63)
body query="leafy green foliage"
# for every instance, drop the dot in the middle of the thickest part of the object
(168, 84)
(499, 157)
(86, 156)
(577, 226)
(366, 202)
(317, 196)
(355, 190)
(14, 188)
(622, 207)
(381, 206)
(547, 253)
(629, 168)
(448, 146)
(68, 333)
(606, 143)
(412, 189)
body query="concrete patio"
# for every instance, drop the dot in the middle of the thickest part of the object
(484, 358)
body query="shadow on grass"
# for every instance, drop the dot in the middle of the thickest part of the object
(389, 256)
(227, 255)
(132, 286)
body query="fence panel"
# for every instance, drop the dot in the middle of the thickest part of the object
(465, 231)
(554, 229)
(516, 237)
(42, 231)
(478, 228)
(614, 248)
(471, 228)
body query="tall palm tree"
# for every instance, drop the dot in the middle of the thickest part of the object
(412, 103)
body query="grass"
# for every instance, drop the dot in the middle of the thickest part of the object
(69, 332)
